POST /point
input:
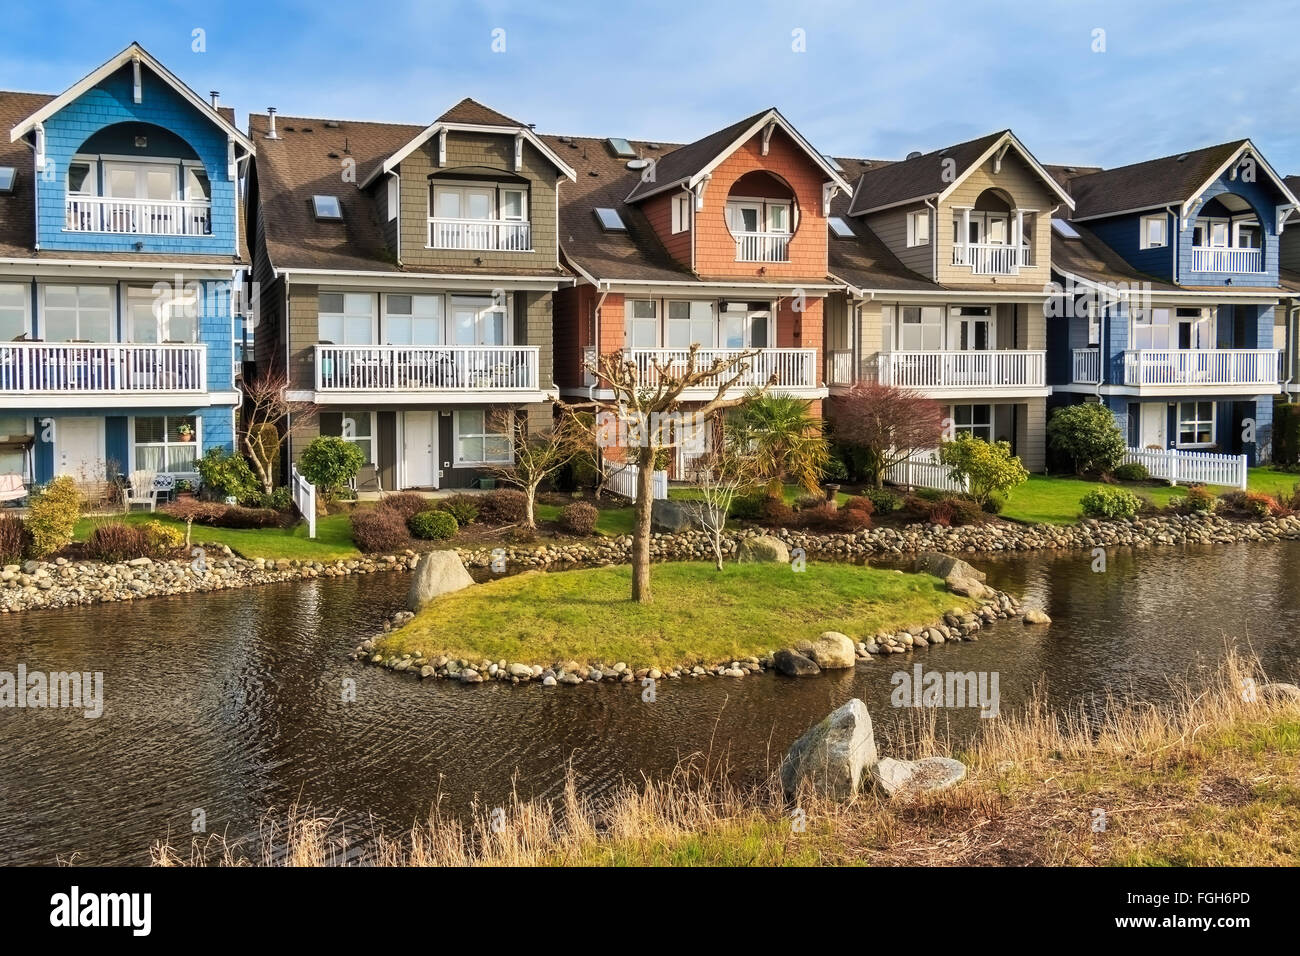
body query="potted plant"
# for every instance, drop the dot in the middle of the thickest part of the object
(184, 488)
(186, 431)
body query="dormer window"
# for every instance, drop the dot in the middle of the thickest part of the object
(8, 176)
(327, 207)
(487, 216)
(918, 228)
(1155, 231)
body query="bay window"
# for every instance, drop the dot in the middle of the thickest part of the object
(166, 444)
(481, 439)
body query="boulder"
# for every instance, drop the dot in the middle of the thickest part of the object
(967, 587)
(947, 567)
(793, 664)
(763, 549)
(904, 779)
(833, 756)
(1036, 616)
(832, 650)
(671, 517)
(1278, 692)
(438, 573)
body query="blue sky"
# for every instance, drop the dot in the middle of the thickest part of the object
(876, 79)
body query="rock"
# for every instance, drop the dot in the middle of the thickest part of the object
(438, 573)
(904, 779)
(521, 671)
(832, 650)
(1036, 616)
(763, 549)
(967, 587)
(793, 664)
(672, 517)
(834, 755)
(1277, 692)
(427, 671)
(548, 681)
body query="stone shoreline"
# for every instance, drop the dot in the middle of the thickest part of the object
(50, 585)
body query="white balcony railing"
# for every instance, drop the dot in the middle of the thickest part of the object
(991, 258)
(1087, 366)
(426, 368)
(1212, 259)
(839, 367)
(489, 235)
(1197, 367)
(964, 369)
(144, 217)
(103, 368)
(793, 368)
(763, 247)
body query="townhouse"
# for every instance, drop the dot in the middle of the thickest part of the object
(720, 243)
(406, 276)
(1173, 310)
(119, 246)
(944, 261)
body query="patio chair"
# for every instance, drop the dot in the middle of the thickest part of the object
(165, 486)
(12, 487)
(142, 490)
(367, 479)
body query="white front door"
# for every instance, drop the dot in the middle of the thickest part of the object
(419, 449)
(1154, 420)
(79, 448)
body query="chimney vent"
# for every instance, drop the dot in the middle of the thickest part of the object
(216, 98)
(271, 134)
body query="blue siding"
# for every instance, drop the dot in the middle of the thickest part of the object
(1124, 235)
(1263, 198)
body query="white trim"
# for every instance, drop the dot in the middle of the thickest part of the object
(164, 270)
(1233, 160)
(441, 129)
(1143, 242)
(374, 313)
(1227, 295)
(131, 442)
(912, 222)
(1178, 422)
(384, 280)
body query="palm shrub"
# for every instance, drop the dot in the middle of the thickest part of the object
(1088, 436)
(786, 441)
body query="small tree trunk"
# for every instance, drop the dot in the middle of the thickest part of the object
(530, 498)
(645, 459)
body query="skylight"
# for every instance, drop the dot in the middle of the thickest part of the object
(839, 227)
(7, 177)
(327, 207)
(610, 220)
(620, 146)
(1063, 228)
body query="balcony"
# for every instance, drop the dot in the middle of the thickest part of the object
(839, 367)
(138, 217)
(1087, 366)
(1221, 259)
(1200, 368)
(75, 370)
(956, 371)
(482, 235)
(794, 369)
(991, 258)
(763, 247)
(427, 369)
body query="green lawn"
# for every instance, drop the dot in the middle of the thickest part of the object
(698, 615)
(333, 537)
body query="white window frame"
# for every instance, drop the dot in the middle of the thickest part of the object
(345, 315)
(918, 228)
(973, 428)
(1145, 240)
(1195, 421)
(166, 443)
(359, 440)
(681, 213)
(631, 320)
(507, 325)
(934, 314)
(112, 309)
(458, 461)
(25, 293)
(691, 322)
(393, 198)
(166, 300)
(386, 326)
(764, 209)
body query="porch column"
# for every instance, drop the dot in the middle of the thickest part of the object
(1018, 235)
(965, 236)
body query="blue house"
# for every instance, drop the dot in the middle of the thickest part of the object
(1170, 292)
(119, 246)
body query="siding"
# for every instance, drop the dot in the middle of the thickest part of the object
(659, 211)
(891, 228)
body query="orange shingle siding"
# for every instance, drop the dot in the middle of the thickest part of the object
(658, 210)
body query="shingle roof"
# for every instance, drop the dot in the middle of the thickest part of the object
(473, 113)
(1165, 181)
(1089, 258)
(916, 178)
(685, 161)
(864, 261)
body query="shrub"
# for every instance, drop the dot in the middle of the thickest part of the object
(13, 539)
(941, 512)
(1110, 503)
(161, 539)
(464, 508)
(1254, 504)
(884, 500)
(234, 516)
(228, 476)
(579, 517)
(747, 507)
(776, 513)
(989, 467)
(52, 516)
(379, 529)
(854, 519)
(433, 525)
(116, 541)
(995, 504)
(329, 462)
(1132, 471)
(861, 504)
(405, 503)
(836, 469)
(503, 506)
(966, 511)
(804, 502)
(191, 509)
(1286, 433)
(1088, 436)
(1201, 499)
(281, 499)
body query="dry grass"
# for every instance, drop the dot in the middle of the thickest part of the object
(1208, 778)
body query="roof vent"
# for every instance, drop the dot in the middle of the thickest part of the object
(216, 98)
(306, 129)
(270, 133)
(1182, 157)
(638, 163)
(914, 154)
(652, 146)
(331, 124)
(592, 172)
(332, 155)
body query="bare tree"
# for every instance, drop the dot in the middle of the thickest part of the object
(264, 417)
(539, 454)
(646, 401)
(730, 467)
(888, 425)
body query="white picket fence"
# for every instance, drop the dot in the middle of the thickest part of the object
(1191, 467)
(925, 471)
(623, 481)
(304, 499)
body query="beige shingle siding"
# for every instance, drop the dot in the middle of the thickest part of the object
(479, 150)
(304, 332)
(1031, 433)
(890, 227)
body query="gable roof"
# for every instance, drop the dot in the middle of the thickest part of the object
(863, 260)
(687, 165)
(134, 51)
(466, 116)
(923, 177)
(1175, 180)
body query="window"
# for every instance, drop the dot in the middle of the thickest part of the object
(166, 444)
(327, 207)
(1195, 424)
(918, 228)
(13, 459)
(14, 297)
(620, 147)
(358, 428)
(690, 323)
(346, 318)
(610, 220)
(153, 317)
(920, 329)
(745, 325)
(392, 198)
(78, 313)
(1155, 231)
(1247, 234)
(973, 420)
(1151, 329)
(642, 324)
(681, 213)
(413, 319)
(514, 205)
(464, 202)
(1063, 228)
(480, 440)
(479, 320)
(155, 181)
(758, 215)
(197, 187)
(840, 227)
(1094, 325)
(80, 180)
(8, 175)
